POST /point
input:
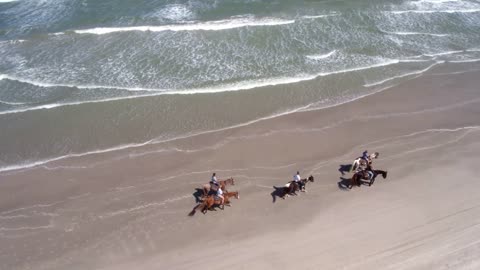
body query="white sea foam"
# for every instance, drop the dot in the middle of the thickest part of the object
(174, 12)
(12, 41)
(206, 26)
(436, 1)
(415, 33)
(434, 11)
(321, 56)
(414, 60)
(47, 84)
(6, 1)
(442, 53)
(464, 61)
(319, 16)
(402, 75)
(12, 103)
(56, 105)
(245, 85)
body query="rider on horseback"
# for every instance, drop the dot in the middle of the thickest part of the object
(297, 179)
(214, 180)
(365, 156)
(220, 195)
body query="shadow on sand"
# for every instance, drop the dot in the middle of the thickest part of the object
(345, 183)
(345, 168)
(278, 192)
(198, 195)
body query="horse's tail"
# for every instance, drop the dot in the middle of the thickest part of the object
(195, 209)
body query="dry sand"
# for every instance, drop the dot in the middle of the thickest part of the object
(128, 209)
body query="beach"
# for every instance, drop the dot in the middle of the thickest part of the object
(128, 209)
(114, 115)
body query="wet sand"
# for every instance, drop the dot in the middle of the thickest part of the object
(129, 209)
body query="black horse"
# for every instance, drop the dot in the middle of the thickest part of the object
(291, 188)
(368, 174)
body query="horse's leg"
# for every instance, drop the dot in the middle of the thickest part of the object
(353, 181)
(354, 166)
(205, 207)
(295, 188)
(221, 205)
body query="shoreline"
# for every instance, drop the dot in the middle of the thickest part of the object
(152, 142)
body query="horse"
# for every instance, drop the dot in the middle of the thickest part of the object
(292, 187)
(221, 183)
(212, 200)
(360, 163)
(367, 174)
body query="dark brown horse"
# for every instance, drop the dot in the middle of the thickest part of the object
(213, 200)
(292, 187)
(221, 183)
(368, 174)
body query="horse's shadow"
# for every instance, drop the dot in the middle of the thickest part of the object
(345, 183)
(345, 168)
(198, 195)
(277, 192)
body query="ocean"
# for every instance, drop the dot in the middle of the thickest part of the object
(84, 77)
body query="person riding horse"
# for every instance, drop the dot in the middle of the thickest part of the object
(220, 195)
(361, 163)
(368, 174)
(297, 179)
(214, 185)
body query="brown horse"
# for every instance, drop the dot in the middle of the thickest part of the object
(368, 174)
(222, 184)
(292, 187)
(213, 200)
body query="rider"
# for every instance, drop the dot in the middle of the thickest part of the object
(296, 179)
(214, 185)
(365, 156)
(220, 195)
(214, 180)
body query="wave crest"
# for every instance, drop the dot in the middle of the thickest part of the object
(205, 26)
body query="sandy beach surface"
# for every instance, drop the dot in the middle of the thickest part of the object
(129, 209)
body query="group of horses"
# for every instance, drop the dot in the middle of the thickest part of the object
(362, 171)
(209, 201)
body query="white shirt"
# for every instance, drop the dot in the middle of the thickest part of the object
(296, 178)
(219, 192)
(214, 179)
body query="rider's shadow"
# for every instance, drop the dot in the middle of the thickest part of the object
(198, 195)
(345, 168)
(344, 183)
